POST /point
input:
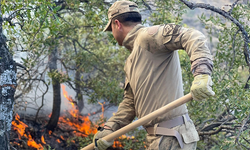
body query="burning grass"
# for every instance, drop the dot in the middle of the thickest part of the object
(73, 132)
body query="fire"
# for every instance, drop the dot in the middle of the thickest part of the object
(42, 139)
(117, 144)
(20, 126)
(85, 127)
(58, 141)
(32, 143)
(62, 137)
(50, 132)
(81, 125)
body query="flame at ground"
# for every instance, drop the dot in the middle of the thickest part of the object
(32, 143)
(42, 139)
(81, 124)
(86, 127)
(20, 126)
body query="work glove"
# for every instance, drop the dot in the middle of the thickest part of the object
(201, 87)
(101, 144)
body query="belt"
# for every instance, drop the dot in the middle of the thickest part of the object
(164, 128)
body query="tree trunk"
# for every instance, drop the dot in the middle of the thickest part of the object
(7, 90)
(79, 96)
(56, 92)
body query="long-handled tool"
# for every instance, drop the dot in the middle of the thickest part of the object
(144, 119)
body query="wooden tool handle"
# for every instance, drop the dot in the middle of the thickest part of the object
(144, 119)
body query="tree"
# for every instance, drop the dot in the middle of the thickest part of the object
(92, 65)
(35, 27)
(225, 116)
(56, 91)
(7, 89)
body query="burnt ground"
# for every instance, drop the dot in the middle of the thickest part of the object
(63, 137)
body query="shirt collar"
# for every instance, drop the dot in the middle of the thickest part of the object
(128, 41)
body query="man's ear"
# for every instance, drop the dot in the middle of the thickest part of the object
(118, 23)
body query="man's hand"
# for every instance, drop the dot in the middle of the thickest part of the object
(201, 88)
(101, 144)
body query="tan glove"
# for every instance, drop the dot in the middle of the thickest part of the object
(101, 144)
(201, 88)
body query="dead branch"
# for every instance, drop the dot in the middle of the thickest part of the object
(202, 124)
(216, 131)
(214, 125)
(44, 93)
(246, 140)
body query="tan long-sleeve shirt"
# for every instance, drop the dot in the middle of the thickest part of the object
(153, 73)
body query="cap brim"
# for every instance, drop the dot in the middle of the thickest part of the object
(108, 26)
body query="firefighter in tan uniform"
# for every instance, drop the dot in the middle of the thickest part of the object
(153, 78)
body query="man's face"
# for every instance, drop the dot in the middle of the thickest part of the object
(117, 31)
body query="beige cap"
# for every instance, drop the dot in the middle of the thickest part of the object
(120, 7)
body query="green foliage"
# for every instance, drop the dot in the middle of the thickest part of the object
(229, 77)
(75, 30)
(58, 76)
(92, 61)
(167, 11)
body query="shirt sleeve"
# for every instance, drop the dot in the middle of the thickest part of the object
(192, 41)
(126, 111)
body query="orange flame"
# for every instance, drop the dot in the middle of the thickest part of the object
(42, 139)
(62, 137)
(20, 126)
(32, 143)
(86, 127)
(58, 141)
(83, 128)
(81, 124)
(117, 144)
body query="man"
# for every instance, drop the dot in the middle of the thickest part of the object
(153, 78)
